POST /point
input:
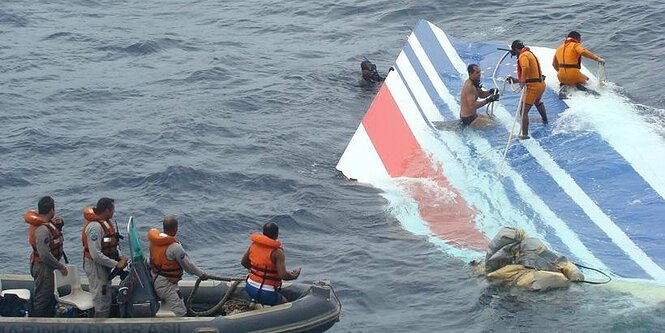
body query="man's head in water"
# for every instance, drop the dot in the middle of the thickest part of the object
(474, 74)
(368, 69)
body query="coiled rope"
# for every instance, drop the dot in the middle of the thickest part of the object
(215, 309)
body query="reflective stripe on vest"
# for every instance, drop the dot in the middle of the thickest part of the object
(109, 240)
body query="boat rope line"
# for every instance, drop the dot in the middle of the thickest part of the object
(215, 309)
(568, 184)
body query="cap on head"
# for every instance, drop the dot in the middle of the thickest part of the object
(517, 45)
(366, 65)
(575, 34)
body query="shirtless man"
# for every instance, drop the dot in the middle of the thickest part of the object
(469, 102)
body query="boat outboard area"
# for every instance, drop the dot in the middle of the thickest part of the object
(219, 304)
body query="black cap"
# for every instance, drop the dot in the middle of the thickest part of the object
(517, 45)
(575, 34)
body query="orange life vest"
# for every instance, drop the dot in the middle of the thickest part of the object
(159, 263)
(109, 238)
(55, 245)
(567, 56)
(568, 62)
(262, 269)
(534, 74)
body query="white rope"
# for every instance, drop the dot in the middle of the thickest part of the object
(510, 136)
(601, 75)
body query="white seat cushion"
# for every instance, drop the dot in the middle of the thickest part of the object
(21, 293)
(81, 300)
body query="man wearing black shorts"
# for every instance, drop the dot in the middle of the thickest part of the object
(469, 103)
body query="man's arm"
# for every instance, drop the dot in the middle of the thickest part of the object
(588, 54)
(280, 263)
(245, 260)
(42, 238)
(555, 63)
(95, 234)
(176, 252)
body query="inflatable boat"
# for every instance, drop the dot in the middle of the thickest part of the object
(589, 183)
(214, 306)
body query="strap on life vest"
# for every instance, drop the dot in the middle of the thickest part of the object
(540, 77)
(569, 66)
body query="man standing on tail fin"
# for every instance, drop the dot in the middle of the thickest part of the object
(530, 78)
(568, 62)
(469, 103)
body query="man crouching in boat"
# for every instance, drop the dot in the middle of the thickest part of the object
(524, 261)
(267, 268)
(469, 103)
(168, 259)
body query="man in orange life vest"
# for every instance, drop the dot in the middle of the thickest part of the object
(100, 253)
(168, 259)
(568, 62)
(45, 237)
(530, 78)
(267, 268)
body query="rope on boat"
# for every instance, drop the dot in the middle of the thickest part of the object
(215, 309)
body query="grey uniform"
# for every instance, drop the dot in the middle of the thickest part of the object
(43, 299)
(98, 270)
(169, 292)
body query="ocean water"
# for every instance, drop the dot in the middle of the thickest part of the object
(233, 114)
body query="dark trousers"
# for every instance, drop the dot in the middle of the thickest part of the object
(43, 301)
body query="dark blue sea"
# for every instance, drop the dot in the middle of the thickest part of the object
(232, 114)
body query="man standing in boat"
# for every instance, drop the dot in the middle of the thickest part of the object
(168, 260)
(101, 253)
(266, 262)
(45, 237)
(568, 62)
(469, 103)
(530, 77)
